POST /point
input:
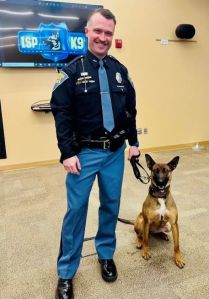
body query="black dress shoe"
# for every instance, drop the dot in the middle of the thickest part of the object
(64, 289)
(108, 270)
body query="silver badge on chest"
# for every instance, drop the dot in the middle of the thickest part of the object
(118, 77)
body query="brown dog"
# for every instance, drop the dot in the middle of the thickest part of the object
(159, 212)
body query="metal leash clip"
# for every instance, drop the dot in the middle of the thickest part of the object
(134, 162)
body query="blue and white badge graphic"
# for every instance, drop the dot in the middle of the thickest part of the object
(52, 41)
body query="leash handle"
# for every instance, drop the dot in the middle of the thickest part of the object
(134, 162)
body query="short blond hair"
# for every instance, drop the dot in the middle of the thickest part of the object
(106, 13)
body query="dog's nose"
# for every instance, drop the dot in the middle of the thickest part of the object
(161, 181)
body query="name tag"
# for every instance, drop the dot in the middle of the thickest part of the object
(84, 74)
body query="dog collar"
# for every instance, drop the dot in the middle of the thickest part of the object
(159, 193)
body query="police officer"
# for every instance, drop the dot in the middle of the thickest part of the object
(93, 146)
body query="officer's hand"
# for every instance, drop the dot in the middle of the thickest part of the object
(133, 151)
(72, 165)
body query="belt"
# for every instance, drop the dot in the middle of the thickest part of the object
(102, 143)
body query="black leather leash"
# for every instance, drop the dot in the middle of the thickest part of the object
(134, 162)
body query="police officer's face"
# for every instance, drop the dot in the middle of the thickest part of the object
(100, 34)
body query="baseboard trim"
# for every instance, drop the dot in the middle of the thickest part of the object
(28, 165)
(174, 147)
(143, 150)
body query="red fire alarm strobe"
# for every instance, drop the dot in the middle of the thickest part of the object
(118, 43)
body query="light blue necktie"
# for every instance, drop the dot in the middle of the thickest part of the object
(108, 118)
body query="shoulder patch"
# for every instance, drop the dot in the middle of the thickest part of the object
(62, 76)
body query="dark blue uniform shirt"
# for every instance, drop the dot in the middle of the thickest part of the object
(76, 102)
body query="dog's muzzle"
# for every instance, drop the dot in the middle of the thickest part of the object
(160, 182)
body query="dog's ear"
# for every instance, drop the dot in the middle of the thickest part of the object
(150, 161)
(173, 163)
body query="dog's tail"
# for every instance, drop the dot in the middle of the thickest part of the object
(126, 221)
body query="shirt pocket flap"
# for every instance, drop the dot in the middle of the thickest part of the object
(119, 89)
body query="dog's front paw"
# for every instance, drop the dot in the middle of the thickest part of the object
(179, 262)
(139, 243)
(139, 246)
(146, 255)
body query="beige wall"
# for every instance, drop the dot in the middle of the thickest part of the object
(171, 81)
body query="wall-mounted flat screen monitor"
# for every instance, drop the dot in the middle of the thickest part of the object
(42, 33)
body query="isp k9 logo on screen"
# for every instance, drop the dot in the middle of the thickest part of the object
(52, 41)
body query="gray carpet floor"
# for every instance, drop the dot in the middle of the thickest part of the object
(32, 205)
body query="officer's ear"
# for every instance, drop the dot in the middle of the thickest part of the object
(86, 30)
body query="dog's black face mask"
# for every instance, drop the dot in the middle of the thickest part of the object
(161, 176)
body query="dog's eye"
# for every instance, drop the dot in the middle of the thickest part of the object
(157, 170)
(164, 170)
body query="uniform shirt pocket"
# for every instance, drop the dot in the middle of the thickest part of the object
(86, 86)
(118, 94)
(87, 100)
